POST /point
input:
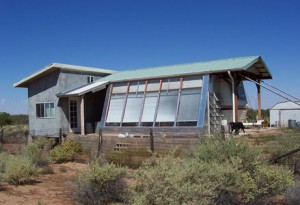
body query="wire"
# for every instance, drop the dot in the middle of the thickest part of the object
(270, 90)
(281, 90)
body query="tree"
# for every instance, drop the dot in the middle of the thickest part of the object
(5, 119)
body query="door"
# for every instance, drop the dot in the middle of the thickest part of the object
(74, 115)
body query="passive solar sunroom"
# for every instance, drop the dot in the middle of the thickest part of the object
(198, 96)
(165, 102)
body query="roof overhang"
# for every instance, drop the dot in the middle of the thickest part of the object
(58, 66)
(79, 91)
(259, 69)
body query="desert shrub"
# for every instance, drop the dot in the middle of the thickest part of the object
(215, 172)
(66, 151)
(34, 152)
(19, 170)
(170, 181)
(4, 157)
(132, 158)
(101, 184)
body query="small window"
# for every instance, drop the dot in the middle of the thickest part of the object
(45, 110)
(90, 79)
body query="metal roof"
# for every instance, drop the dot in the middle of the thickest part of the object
(253, 64)
(288, 105)
(81, 90)
(55, 66)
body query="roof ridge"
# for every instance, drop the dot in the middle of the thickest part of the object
(182, 64)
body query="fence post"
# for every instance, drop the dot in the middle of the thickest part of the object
(99, 142)
(151, 141)
(60, 136)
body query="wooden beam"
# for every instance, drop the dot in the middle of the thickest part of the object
(236, 99)
(258, 101)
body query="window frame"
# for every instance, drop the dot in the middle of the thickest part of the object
(90, 79)
(44, 110)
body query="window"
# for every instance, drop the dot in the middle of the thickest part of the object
(167, 108)
(45, 110)
(189, 107)
(150, 103)
(90, 79)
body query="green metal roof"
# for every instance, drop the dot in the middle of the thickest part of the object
(217, 66)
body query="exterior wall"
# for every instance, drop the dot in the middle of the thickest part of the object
(45, 89)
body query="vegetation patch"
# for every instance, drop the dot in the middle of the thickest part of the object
(19, 170)
(65, 152)
(102, 183)
(215, 172)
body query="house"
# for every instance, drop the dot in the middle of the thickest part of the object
(195, 97)
(284, 113)
(47, 112)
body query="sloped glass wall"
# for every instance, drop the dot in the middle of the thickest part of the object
(166, 102)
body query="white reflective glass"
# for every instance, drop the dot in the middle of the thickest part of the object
(192, 82)
(189, 105)
(119, 88)
(167, 106)
(149, 107)
(115, 108)
(133, 108)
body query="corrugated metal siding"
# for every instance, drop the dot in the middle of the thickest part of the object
(223, 65)
(283, 116)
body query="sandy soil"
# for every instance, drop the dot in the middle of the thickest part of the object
(57, 188)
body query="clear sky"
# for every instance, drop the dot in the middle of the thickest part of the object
(127, 34)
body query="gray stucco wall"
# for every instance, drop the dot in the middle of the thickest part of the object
(44, 90)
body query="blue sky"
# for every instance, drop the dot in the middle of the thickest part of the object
(127, 34)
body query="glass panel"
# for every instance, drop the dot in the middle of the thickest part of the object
(73, 113)
(116, 108)
(189, 105)
(133, 108)
(167, 108)
(47, 109)
(149, 109)
(133, 87)
(42, 110)
(120, 88)
(153, 85)
(52, 110)
(171, 84)
(192, 82)
(174, 83)
(38, 110)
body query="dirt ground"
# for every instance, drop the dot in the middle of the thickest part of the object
(57, 188)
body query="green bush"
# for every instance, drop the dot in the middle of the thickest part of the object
(34, 152)
(66, 151)
(4, 158)
(19, 170)
(215, 172)
(101, 184)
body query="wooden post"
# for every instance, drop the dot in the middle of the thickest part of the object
(60, 136)
(151, 141)
(258, 101)
(99, 142)
(236, 99)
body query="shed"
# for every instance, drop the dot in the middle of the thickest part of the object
(284, 112)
